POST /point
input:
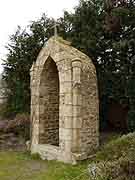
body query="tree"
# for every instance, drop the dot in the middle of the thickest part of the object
(105, 31)
(23, 50)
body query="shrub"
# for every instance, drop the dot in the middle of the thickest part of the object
(122, 169)
(20, 126)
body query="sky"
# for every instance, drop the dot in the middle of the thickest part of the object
(18, 12)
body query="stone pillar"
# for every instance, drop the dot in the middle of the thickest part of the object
(77, 98)
(31, 107)
(34, 107)
(65, 113)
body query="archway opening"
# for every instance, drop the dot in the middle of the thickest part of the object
(49, 104)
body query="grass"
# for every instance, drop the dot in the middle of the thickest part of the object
(22, 166)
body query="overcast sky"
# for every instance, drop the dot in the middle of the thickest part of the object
(18, 12)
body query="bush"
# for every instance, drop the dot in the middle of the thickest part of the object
(122, 169)
(3, 111)
(20, 125)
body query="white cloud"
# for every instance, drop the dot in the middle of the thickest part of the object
(18, 12)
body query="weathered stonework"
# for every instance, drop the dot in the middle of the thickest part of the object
(64, 103)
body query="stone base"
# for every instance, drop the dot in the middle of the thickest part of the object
(49, 152)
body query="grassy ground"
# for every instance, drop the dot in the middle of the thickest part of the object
(22, 166)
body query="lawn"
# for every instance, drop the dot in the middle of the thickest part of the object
(112, 159)
(22, 166)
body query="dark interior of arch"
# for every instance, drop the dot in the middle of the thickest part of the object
(49, 104)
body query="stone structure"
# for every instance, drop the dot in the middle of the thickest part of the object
(64, 103)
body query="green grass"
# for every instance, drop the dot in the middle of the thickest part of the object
(23, 166)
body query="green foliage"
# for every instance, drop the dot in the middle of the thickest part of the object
(35, 156)
(121, 147)
(104, 31)
(23, 50)
(3, 111)
(116, 159)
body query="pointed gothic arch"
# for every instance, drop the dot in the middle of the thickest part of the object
(49, 104)
(64, 103)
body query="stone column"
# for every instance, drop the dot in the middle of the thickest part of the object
(31, 108)
(65, 111)
(77, 98)
(34, 129)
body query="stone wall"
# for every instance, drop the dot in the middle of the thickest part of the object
(49, 104)
(64, 103)
(90, 114)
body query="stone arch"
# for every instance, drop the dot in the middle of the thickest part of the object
(64, 103)
(49, 104)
